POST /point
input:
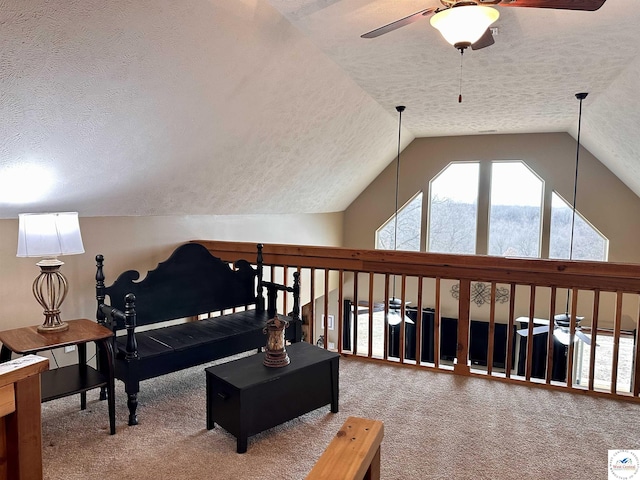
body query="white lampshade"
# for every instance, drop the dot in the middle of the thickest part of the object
(49, 234)
(464, 25)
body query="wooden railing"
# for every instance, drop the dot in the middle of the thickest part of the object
(353, 288)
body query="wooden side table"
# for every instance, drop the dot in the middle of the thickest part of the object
(72, 379)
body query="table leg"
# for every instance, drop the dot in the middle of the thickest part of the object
(82, 361)
(5, 354)
(334, 385)
(210, 422)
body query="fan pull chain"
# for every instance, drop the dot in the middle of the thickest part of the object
(460, 91)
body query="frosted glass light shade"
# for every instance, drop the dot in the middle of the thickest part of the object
(464, 25)
(49, 234)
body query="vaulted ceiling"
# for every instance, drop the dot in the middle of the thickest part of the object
(159, 107)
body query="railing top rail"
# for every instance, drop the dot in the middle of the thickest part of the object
(605, 276)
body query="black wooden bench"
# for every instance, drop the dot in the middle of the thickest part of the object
(189, 284)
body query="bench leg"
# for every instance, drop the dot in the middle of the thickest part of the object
(132, 403)
(241, 444)
(373, 472)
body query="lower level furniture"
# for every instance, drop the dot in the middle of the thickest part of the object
(20, 419)
(72, 379)
(353, 454)
(245, 397)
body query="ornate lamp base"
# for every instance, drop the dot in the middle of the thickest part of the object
(50, 288)
(53, 328)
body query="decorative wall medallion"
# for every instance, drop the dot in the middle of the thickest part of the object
(481, 293)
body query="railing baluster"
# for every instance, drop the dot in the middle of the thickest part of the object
(572, 333)
(340, 309)
(594, 335)
(403, 290)
(636, 359)
(510, 336)
(370, 337)
(386, 317)
(419, 323)
(355, 315)
(530, 325)
(285, 295)
(326, 309)
(550, 337)
(616, 343)
(436, 325)
(312, 314)
(492, 329)
(462, 365)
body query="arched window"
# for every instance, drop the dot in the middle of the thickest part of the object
(408, 233)
(515, 197)
(588, 243)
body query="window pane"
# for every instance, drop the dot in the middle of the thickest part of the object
(516, 210)
(588, 243)
(409, 221)
(453, 209)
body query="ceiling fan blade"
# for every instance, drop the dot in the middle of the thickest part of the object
(484, 41)
(588, 5)
(536, 330)
(583, 337)
(398, 23)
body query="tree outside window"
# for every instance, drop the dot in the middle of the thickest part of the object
(588, 243)
(408, 236)
(453, 209)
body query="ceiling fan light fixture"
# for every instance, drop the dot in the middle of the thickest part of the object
(563, 336)
(463, 25)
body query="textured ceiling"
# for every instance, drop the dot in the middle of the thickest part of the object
(158, 107)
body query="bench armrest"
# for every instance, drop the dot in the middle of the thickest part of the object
(111, 316)
(272, 296)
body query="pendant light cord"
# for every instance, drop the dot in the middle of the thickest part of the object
(460, 83)
(581, 97)
(399, 109)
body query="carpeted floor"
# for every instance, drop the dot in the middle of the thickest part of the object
(437, 426)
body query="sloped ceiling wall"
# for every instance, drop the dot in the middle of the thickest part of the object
(160, 107)
(147, 107)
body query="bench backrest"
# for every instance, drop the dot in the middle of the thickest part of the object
(190, 282)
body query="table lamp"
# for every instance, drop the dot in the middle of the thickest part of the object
(49, 235)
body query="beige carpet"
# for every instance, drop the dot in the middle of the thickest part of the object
(436, 426)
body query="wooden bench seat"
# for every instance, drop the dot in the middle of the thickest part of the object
(353, 454)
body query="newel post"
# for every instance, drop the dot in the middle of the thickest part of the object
(100, 296)
(462, 365)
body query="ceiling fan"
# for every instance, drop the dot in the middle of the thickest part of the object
(465, 23)
(561, 326)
